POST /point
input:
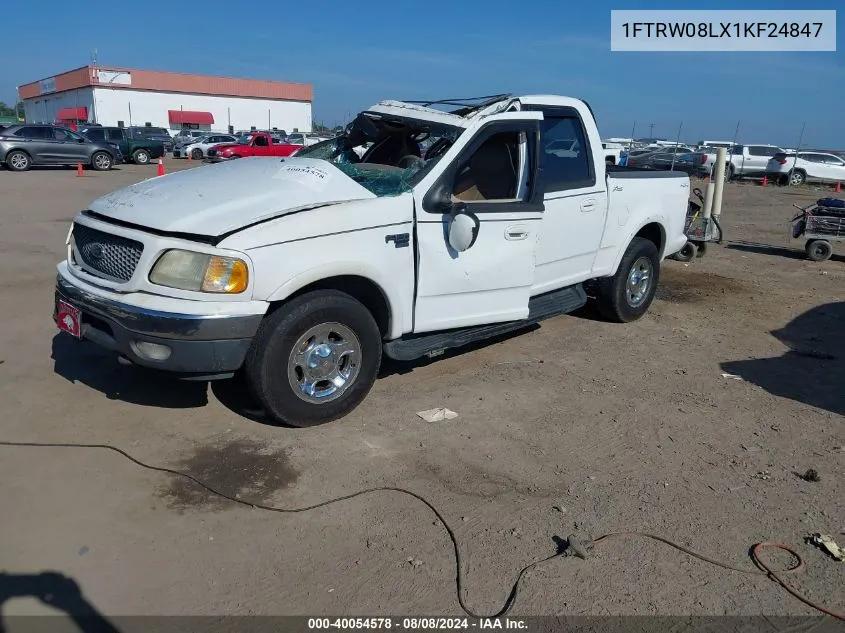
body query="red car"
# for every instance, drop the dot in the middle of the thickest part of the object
(252, 144)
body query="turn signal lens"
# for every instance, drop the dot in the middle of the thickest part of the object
(225, 274)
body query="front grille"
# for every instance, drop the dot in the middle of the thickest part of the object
(111, 255)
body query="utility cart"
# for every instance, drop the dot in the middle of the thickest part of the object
(820, 224)
(699, 231)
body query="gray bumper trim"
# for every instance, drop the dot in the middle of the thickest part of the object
(189, 327)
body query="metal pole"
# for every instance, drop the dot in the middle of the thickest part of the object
(798, 148)
(719, 178)
(631, 142)
(268, 120)
(677, 142)
(228, 119)
(129, 103)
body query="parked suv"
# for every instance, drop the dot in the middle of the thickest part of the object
(138, 150)
(22, 146)
(806, 166)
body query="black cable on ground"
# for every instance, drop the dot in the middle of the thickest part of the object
(459, 586)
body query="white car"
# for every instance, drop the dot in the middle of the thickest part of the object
(806, 166)
(199, 149)
(305, 272)
(306, 140)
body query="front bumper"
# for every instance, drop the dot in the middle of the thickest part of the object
(200, 346)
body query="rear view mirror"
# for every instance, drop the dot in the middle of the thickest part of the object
(463, 229)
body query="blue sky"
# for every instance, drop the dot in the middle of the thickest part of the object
(355, 53)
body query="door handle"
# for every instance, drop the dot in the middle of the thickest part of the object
(588, 205)
(516, 232)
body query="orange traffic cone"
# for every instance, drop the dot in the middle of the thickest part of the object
(765, 180)
(79, 171)
(160, 167)
(189, 156)
(838, 187)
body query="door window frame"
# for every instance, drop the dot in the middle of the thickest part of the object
(443, 186)
(567, 112)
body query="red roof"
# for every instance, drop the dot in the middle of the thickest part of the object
(134, 79)
(189, 116)
(72, 114)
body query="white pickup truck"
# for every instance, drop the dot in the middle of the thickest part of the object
(302, 272)
(744, 161)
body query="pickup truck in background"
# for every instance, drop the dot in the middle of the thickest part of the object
(612, 152)
(300, 274)
(252, 144)
(134, 148)
(744, 161)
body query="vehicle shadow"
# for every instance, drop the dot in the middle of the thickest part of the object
(811, 371)
(80, 361)
(55, 590)
(234, 394)
(779, 251)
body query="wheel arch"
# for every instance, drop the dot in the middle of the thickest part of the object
(363, 287)
(18, 149)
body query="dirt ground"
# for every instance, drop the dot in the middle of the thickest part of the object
(578, 426)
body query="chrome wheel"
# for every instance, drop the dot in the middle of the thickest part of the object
(18, 161)
(796, 178)
(639, 282)
(102, 161)
(324, 362)
(142, 158)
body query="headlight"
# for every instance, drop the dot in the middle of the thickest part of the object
(187, 270)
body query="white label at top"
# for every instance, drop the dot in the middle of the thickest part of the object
(711, 31)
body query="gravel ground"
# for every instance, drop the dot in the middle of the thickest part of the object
(577, 426)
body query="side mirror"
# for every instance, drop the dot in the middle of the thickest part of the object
(80, 140)
(463, 230)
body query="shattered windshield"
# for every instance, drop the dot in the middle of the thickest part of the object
(387, 157)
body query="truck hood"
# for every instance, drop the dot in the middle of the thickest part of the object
(217, 199)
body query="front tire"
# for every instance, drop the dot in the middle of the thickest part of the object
(196, 154)
(17, 160)
(101, 161)
(314, 359)
(627, 295)
(141, 157)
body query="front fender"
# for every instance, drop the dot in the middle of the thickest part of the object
(400, 314)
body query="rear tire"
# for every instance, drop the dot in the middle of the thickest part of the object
(101, 161)
(314, 359)
(797, 177)
(141, 157)
(16, 160)
(687, 253)
(627, 295)
(818, 250)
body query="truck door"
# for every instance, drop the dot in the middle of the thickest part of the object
(489, 174)
(261, 145)
(575, 200)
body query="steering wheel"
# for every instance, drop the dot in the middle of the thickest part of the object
(419, 137)
(409, 161)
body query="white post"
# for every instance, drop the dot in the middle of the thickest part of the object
(719, 180)
(707, 209)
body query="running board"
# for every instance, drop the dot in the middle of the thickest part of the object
(540, 307)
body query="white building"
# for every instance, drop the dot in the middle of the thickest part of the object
(124, 97)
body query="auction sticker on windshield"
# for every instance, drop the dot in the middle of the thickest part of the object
(307, 175)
